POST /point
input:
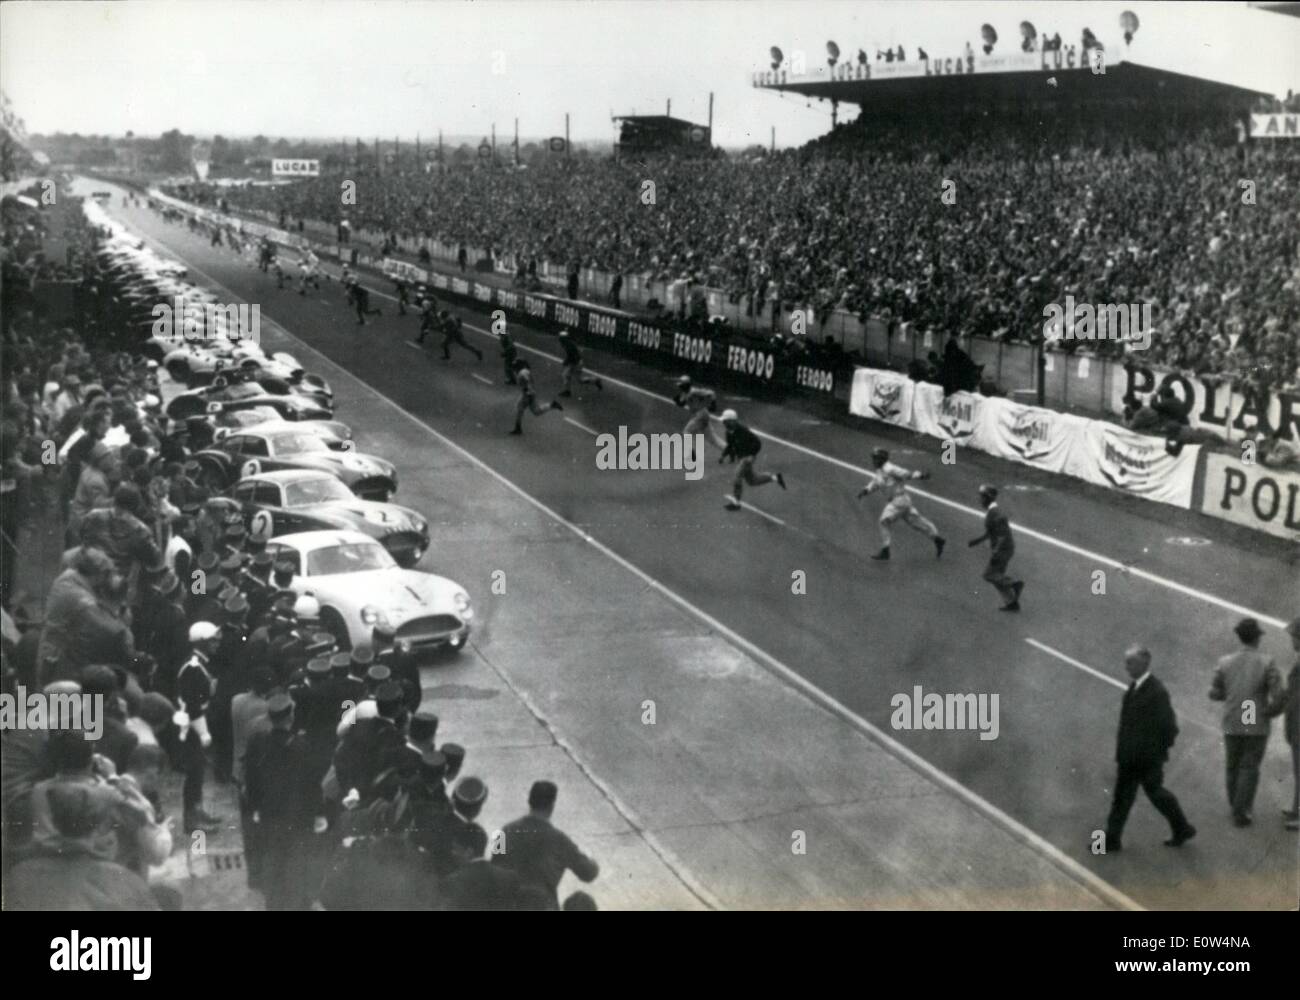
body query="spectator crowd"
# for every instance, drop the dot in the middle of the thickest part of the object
(182, 627)
(1105, 208)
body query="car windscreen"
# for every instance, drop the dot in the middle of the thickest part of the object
(294, 442)
(352, 557)
(321, 490)
(241, 390)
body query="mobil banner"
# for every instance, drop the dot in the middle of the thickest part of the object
(1028, 434)
(1111, 456)
(1252, 495)
(882, 395)
(953, 418)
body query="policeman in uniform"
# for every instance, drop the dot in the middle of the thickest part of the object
(997, 530)
(194, 687)
(528, 396)
(285, 799)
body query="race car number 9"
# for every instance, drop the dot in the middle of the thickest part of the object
(260, 526)
(250, 468)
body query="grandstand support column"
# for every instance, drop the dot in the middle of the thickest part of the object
(835, 111)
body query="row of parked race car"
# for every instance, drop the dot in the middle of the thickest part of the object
(266, 449)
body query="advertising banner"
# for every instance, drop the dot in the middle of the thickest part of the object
(1028, 434)
(1252, 495)
(295, 168)
(1275, 126)
(952, 419)
(1216, 405)
(1123, 460)
(882, 395)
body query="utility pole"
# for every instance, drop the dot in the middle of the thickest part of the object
(516, 142)
(710, 117)
(494, 143)
(773, 138)
(566, 133)
(669, 112)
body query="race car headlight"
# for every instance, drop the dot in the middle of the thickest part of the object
(371, 615)
(421, 526)
(461, 600)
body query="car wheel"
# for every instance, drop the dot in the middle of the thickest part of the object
(334, 624)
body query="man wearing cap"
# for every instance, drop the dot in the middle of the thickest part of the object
(194, 686)
(230, 666)
(1147, 730)
(285, 801)
(539, 853)
(1291, 725)
(893, 480)
(997, 529)
(1249, 686)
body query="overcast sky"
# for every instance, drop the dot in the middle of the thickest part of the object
(341, 68)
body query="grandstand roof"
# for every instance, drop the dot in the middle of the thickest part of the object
(1121, 83)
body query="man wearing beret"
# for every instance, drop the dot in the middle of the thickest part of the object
(285, 800)
(539, 853)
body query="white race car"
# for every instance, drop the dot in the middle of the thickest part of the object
(359, 585)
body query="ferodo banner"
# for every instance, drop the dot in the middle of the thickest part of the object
(1216, 406)
(1123, 460)
(882, 395)
(1258, 497)
(295, 168)
(1029, 434)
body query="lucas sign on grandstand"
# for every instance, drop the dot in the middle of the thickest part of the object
(295, 168)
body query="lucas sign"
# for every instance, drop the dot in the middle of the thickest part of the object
(295, 168)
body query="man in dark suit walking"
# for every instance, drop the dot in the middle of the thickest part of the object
(1147, 729)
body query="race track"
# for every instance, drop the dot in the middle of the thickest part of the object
(865, 631)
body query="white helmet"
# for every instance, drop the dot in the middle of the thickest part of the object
(306, 606)
(684, 381)
(203, 631)
(564, 333)
(729, 415)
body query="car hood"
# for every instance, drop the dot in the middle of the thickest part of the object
(351, 463)
(381, 518)
(401, 594)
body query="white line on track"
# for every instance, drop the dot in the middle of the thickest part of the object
(762, 513)
(485, 381)
(581, 427)
(1075, 663)
(412, 344)
(1094, 883)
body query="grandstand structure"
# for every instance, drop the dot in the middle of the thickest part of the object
(1060, 81)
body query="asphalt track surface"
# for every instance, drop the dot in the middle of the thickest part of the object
(865, 631)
